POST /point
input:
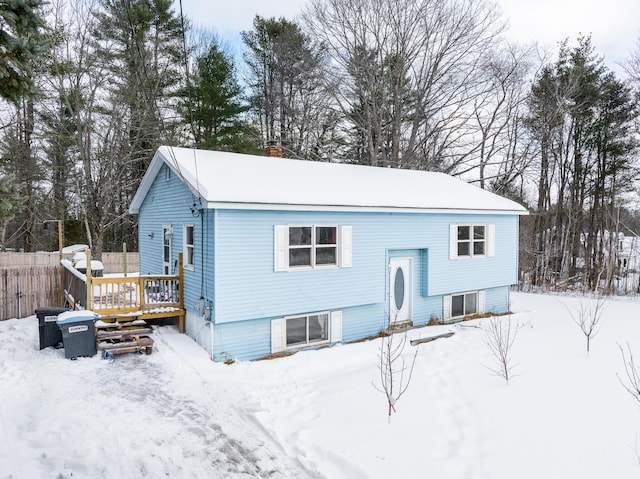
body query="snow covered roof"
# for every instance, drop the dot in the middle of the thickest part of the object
(238, 181)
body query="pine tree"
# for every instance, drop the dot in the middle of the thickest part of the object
(286, 81)
(21, 41)
(214, 106)
(580, 116)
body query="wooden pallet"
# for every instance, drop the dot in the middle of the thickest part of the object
(134, 345)
(123, 335)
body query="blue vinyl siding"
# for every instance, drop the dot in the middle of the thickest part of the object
(170, 203)
(248, 287)
(249, 340)
(244, 340)
(234, 266)
(497, 300)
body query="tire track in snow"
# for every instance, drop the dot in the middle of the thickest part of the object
(262, 456)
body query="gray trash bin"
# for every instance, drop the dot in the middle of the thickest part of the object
(50, 334)
(78, 333)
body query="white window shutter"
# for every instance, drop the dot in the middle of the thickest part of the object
(491, 240)
(446, 308)
(278, 335)
(336, 326)
(481, 301)
(346, 246)
(280, 243)
(453, 241)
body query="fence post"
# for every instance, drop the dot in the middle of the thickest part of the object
(181, 294)
(89, 304)
(124, 258)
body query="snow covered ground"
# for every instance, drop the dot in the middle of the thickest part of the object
(316, 414)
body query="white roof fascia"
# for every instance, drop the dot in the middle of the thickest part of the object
(149, 177)
(356, 209)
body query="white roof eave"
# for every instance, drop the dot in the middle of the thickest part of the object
(222, 205)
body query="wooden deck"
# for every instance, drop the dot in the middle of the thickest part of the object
(146, 297)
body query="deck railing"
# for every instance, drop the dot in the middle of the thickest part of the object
(132, 294)
(121, 295)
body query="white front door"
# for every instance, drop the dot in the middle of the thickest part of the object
(400, 290)
(166, 249)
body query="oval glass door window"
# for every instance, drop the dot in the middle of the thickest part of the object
(398, 289)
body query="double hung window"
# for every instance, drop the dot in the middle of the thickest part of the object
(311, 247)
(469, 241)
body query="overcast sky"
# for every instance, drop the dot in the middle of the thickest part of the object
(613, 24)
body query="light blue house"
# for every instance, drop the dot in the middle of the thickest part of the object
(284, 254)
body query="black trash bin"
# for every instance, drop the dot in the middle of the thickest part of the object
(78, 333)
(50, 334)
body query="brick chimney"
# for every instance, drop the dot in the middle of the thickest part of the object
(273, 150)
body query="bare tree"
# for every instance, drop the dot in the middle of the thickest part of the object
(500, 335)
(394, 368)
(588, 316)
(286, 87)
(632, 66)
(500, 155)
(405, 74)
(632, 381)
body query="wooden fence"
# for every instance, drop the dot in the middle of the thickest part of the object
(24, 289)
(34, 280)
(113, 262)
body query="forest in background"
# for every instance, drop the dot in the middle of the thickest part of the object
(91, 88)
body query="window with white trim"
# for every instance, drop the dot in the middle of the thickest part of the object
(463, 304)
(188, 248)
(303, 330)
(311, 246)
(472, 240)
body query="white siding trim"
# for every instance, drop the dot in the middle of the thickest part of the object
(346, 245)
(280, 242)
(453, 241)
(336, 326)
(446, 307)
(278, 335)
(491, 240)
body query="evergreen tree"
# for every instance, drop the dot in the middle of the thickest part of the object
(580, 116)
(21, 41)
(214, 106)
(141, 41)
(140, 44)
(10, 202)
(286, 81)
